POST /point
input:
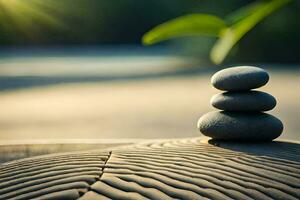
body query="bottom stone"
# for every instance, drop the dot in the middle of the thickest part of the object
(240, 126)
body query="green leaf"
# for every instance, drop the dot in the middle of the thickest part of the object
(234, 33)
(188, 25)
(243, 12)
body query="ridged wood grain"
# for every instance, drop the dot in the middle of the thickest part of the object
(58, 176)
(167, 169)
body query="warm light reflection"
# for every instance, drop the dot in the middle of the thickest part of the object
(28, 15)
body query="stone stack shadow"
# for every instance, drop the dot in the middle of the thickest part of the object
(242, 116)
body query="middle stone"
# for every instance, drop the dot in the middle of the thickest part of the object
(243, 101)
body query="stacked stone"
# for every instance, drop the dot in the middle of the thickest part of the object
(242, 117)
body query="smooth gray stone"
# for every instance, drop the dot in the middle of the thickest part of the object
(240, 78)
(243, 101)
(240, 126)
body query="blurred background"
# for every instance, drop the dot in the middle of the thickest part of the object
(76, 69)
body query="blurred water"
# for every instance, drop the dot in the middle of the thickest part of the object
(28, 67)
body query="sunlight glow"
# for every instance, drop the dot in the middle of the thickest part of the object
(28, 15)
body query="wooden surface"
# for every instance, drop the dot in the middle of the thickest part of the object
(166, 169)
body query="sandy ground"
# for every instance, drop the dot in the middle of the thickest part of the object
(152, 108)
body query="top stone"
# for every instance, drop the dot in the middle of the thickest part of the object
(239, 78)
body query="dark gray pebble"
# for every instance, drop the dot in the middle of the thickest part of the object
(243, 101)
(239, 126)
(240, 78)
